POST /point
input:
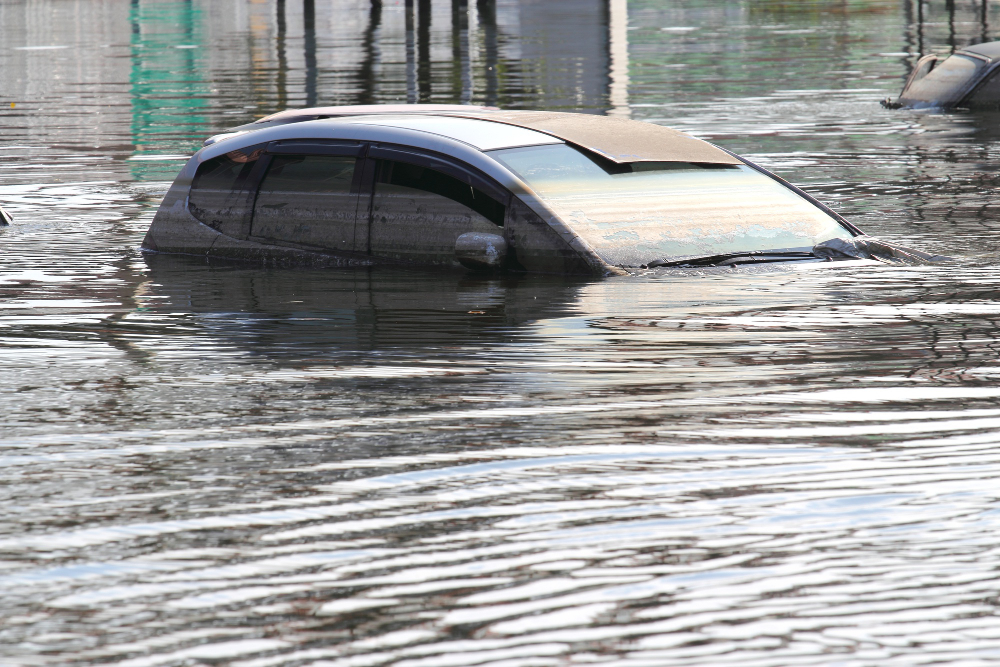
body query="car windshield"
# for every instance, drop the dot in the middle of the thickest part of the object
(661, 210)
(945, 83)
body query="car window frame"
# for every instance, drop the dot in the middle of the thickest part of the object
(931, 59)
(363, 181)
(305, 147)
(245, 194)
(446, 164)
(333, 147)
(991, 71)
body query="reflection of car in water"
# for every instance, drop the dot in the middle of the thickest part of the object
(966, 79)
(301, 313)
(521, 191)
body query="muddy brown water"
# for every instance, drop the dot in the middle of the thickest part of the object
(224, 464)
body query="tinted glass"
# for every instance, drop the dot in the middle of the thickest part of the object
(669, 210)
(433, 181)
(418, 213)
(307, 199)
(924, 67)
(310, 173)
(945, 83)
(215, 191)
(987, 95)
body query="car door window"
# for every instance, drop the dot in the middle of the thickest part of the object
(307, 200)
(217, 197)
(987, 94)
(418, 212)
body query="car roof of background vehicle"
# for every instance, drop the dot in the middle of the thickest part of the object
(989, 50)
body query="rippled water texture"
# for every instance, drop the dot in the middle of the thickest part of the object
(219, 464)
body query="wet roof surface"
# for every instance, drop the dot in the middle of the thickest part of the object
(362, 109)
(990, 49)
(617, 139)
(481, 134)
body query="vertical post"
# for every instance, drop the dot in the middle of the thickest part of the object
(461, 70)
(909, 40)
(279, 44)
(309, 28)
(920, 26)
(411, 56)
(487, 10)
(950, 5)
(908, 25)
(984, 20)
(369, 44)
(424, 50)
(472, 51)
(618, 58)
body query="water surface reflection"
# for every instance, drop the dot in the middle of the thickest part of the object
(213, 463)
(354, 310)
(417, 468)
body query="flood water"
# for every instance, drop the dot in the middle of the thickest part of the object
(222, 464)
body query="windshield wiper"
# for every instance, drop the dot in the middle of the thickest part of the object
(736, 258)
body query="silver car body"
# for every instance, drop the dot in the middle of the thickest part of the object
(969, 78)
(539, 238)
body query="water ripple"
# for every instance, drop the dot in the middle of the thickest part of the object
(214, 463)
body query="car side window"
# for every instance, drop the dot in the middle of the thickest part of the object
(418, 212)
(987, 94)
(308, 200)
(216, 196)
(432, 181)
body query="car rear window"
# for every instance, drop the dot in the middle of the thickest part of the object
(217, 184)
(632, 215)
(945, 83)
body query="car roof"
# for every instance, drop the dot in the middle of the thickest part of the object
(617, 139)
(481, 134)
(990, 50)
(620, 140)
(370, 109)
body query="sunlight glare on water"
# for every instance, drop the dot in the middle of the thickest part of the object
(226, 464)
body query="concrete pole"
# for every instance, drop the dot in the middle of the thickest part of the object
(618, 58)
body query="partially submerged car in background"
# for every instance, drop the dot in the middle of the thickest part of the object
(967, 79)
(491, 190)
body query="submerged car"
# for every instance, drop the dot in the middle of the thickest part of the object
(491, 190)
(966, 79)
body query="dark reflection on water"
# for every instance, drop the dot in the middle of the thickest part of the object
(221, 464)
(303, 311)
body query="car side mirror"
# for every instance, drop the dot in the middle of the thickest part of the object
(5, 218)
(481, 252)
